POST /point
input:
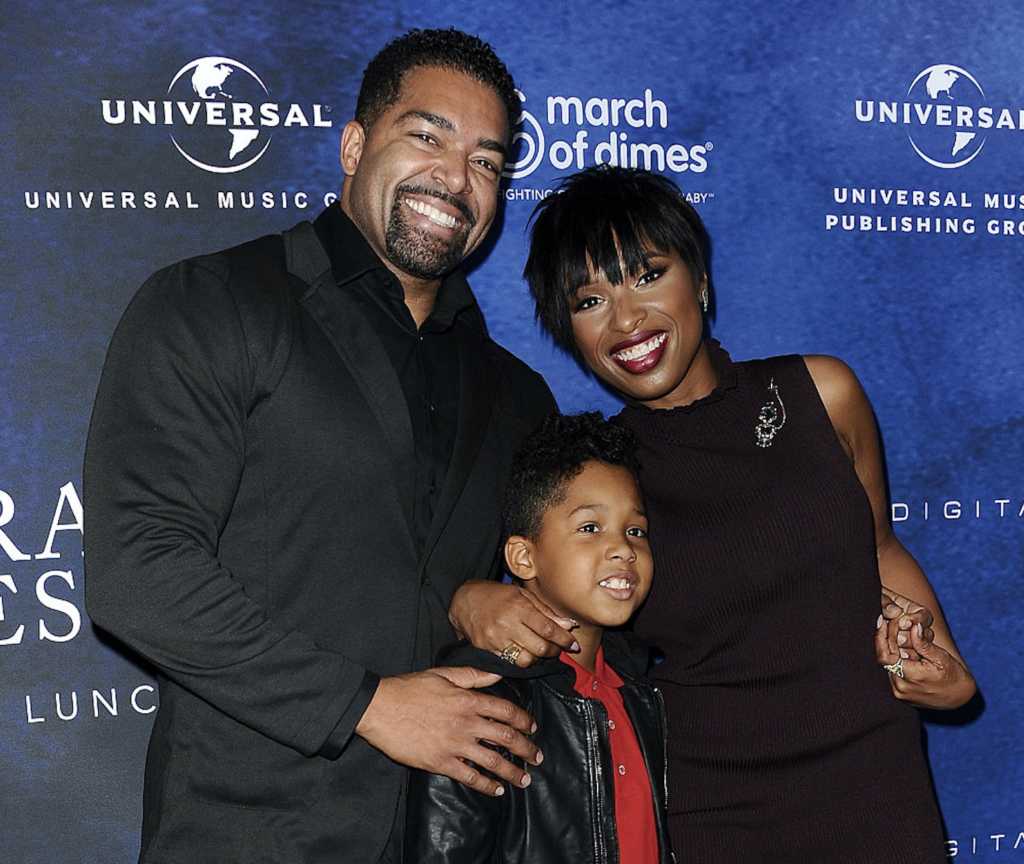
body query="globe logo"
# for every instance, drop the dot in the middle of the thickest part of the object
(946, 100)
(223, 131)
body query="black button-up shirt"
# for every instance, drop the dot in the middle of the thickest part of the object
(426, 359)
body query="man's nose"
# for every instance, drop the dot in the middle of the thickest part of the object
(452, 172)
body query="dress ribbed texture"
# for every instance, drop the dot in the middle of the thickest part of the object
(785, 744)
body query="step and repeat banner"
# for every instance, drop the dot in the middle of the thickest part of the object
(860, 170)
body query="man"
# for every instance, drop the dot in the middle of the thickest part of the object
(296, 456)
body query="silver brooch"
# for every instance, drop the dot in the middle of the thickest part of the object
(771, 418)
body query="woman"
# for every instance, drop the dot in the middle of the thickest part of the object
(768, 517)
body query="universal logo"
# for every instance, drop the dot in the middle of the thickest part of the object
(535, 142)
(219, 113)
(946, 114)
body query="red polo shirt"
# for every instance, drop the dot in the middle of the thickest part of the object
(634, 801)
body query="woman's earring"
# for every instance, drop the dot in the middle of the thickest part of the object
(704, 298)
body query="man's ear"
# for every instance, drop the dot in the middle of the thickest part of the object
(519, 557)
(353, 138)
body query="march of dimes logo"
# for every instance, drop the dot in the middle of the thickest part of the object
(946, 115)
(219, 113)
(574, 132)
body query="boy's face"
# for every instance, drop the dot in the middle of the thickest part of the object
(591, 559)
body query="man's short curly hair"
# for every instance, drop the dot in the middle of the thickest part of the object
(446, 49)
(552, 456)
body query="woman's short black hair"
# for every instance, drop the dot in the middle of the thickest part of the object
(446, 49)
(592, 219)
(552, 456)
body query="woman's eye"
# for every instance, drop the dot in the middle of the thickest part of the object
(587, 303)
(651, 276)
(637, 532)
(588, 528)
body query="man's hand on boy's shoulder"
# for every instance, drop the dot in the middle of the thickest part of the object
(495, 617)
(435, 720)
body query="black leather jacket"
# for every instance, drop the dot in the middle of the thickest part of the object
(567, 814)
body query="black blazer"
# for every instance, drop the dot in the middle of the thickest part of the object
(567, 813)
(248, 533)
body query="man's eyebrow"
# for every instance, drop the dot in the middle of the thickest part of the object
(446, 124)
(496, 146)
(433, 119)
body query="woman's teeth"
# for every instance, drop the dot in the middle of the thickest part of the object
(619, 583)
(642, 350)
(432, 213)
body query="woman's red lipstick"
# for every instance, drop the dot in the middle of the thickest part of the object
(640, 353)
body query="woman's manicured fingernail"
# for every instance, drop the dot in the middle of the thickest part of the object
(538, 758)
(575, 647)
(499, 791)
(920, 632)
(901, 638)
(525, 781)
(904, 654)
(533, 728)
(878, 623)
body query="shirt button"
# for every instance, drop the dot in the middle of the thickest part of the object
(622, 770)
(611, 724)
(432, 407)
(593, 686)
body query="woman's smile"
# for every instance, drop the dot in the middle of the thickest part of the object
(640, 353)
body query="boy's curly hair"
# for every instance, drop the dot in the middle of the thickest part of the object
(553, 455)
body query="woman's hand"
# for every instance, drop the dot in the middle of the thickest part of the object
(899, 616)
(920, 672)
(495, 617)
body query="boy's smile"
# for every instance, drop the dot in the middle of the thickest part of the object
(591, 559)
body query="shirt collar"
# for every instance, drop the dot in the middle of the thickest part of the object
(602, 674)
(351, 256)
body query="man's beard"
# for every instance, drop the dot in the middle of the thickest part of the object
(422, 253)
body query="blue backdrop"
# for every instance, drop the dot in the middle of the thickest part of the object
(857, 166)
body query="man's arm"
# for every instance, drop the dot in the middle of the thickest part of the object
(163, 464)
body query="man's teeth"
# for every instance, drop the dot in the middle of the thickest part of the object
(432, 213)
(643, 349)
(616, 582)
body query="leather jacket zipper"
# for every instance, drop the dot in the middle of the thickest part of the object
(594, 754)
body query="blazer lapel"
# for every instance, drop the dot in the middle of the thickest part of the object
(476, 403)
(339, 316)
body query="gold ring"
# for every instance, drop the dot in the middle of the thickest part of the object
(510, 653)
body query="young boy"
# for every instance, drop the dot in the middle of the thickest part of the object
(577, 539)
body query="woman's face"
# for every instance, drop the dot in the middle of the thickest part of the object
(641, 337)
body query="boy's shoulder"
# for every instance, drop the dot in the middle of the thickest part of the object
(627, 654)
(516, 683)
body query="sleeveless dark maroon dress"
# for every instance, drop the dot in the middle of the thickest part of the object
(785, 744)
